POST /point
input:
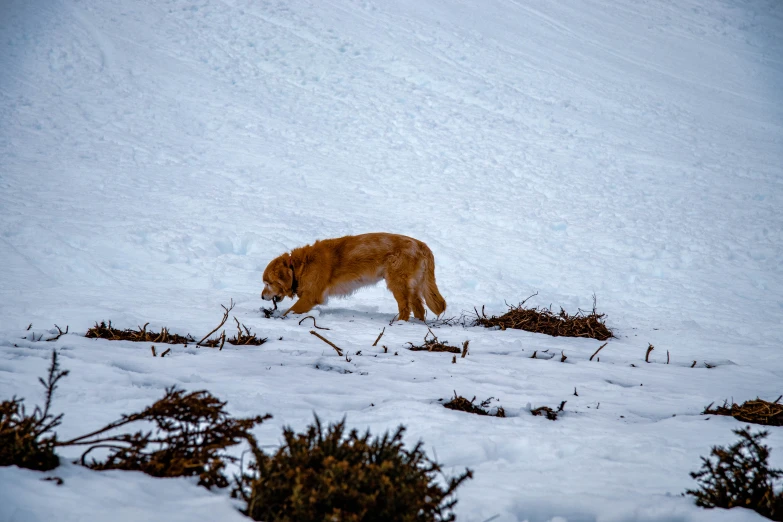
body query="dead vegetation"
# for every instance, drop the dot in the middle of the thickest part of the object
(243, 337)
(190, 435)
(549, 412)
(28, 441)
(107, 331)
(740, 476)
(544, 320)
(324, 474)
(432, 344)
(460, 403)
(189, 438)
(756, 411)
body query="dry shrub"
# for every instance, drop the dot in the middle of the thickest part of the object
(28, 441)
(757, 411)
(191, 434)
(739, 476)
(548, 412)
(432, 344)
(543, 320)
(460, 403)
(107, 331)
(325, 475)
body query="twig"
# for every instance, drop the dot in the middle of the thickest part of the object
(454, 360)
(647, 355)
(464, 349)
(575, 392)
(562, 404)
(327, 341)
(225, 318)
(667, 356)
(29, 326)
(379, 337)
(313, 318)
(563, 356)
(61, 333)
(598, 350)
(166, 352)
(394, 319)
(153, 351)
(694, 364)
(222, 340)
(385, 349)
(534, 354)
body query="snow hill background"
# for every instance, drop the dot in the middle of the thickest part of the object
(155, 155)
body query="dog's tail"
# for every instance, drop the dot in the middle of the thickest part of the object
(432, 296)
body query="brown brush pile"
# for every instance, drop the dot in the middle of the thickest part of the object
(756, 411)
(324, 474)
(28, 441)
(432, 344)
(548, 412)
(107, 331)
(543, 320)
(460, 403)
(243, 337)
(740, 476)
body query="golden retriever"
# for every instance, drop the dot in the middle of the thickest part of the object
(340, 266)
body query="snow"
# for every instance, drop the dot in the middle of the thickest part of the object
(154, 156)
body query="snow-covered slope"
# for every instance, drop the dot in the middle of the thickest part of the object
(155, 155)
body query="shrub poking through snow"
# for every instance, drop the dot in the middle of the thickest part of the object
(432, 344)
(543, 320)
(107, 331)
(191, 434)
(28, 441)
(757, 411)
(548, 412)
(324, 474)
(739, 476)
(460, 403)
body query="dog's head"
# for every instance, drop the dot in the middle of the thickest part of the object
(279, 279)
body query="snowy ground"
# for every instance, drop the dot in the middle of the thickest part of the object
(155, 155)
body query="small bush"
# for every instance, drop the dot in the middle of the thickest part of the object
(192, 432)
(543, 320)
(548, 412)
(757, 411)
(740, 477)
(433, 344)
(460, 403)
(324, 475)
(28, 441)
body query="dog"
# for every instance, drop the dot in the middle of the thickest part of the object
(340, 266)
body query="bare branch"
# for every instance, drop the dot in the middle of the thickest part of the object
(379, 335)
(314, 324)
(598, 350)
(327, 341)
(225, 318)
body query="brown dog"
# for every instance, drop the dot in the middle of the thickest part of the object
(342, 265)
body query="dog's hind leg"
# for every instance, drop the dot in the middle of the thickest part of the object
(402, 295)
(417, 305)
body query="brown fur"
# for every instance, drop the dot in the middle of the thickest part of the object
(340, 266)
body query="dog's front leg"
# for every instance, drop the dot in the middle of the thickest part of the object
(302, 306)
